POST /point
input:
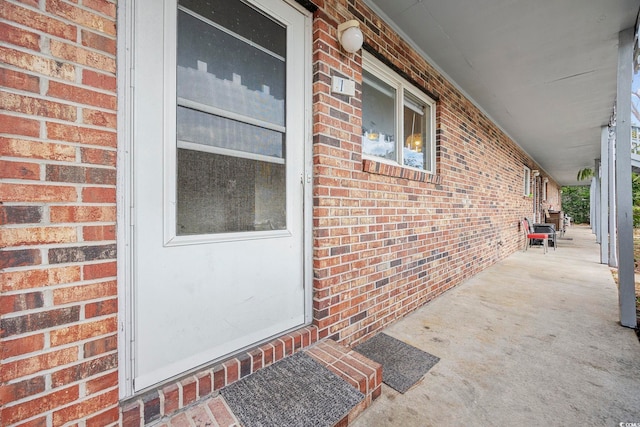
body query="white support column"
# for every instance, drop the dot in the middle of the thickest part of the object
(604, 195)
(592, 205)
(626, 293)
(596, 201)
(613, 218)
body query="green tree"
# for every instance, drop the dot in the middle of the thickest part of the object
(635, 188)
(576, 203)
(584, 174)
(575, 207)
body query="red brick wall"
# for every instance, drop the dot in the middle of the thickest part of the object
(384, 244)
(58, 175)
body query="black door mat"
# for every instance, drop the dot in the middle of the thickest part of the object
(403, 365)
(294, 392)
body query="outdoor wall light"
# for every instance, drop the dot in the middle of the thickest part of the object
(350, 36)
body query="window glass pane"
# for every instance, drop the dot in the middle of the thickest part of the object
(378, 117)
(219, 69)
(415, 136)
(429, 142)
(220, 194)
(207, 129)
(526, 181)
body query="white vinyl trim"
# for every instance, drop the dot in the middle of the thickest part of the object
(307, 179)
(170, 117)
(125, 72)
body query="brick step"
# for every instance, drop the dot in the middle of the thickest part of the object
(359, 371)
(362, 373)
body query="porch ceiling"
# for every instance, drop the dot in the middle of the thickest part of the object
(544, 71)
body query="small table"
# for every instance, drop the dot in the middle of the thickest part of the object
(547, 228)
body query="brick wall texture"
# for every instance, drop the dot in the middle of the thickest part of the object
(385, 245)
(58, 302)
(385, 241)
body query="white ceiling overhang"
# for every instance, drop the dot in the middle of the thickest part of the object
(544, 71)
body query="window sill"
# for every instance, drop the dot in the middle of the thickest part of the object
(397, 171)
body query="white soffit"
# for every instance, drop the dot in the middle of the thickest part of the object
(544, 71)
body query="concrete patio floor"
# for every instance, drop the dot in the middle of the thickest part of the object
(533, 340)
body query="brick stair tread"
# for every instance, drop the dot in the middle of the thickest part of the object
(362, 373)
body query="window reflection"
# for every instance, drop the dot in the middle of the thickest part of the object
(231, 167)
(378, 117)
(414, 150)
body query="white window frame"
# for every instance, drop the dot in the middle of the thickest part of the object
(526, 181)
(386, 74)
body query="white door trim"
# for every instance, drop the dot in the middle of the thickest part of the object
(123, 196)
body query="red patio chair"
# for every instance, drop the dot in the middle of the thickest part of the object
(530, 235)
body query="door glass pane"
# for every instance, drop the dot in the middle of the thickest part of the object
(414, 117)
(253, 25)
(378, 117)
(230, 119)
(219, 194)
(215, 131)
(222, 69)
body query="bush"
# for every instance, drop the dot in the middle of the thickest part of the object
(575, 201)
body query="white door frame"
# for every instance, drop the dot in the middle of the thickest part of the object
(124, 204)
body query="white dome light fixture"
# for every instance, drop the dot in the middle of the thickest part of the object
(350, 36)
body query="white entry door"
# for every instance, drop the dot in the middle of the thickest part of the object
(218, 177)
